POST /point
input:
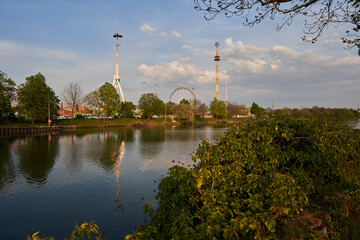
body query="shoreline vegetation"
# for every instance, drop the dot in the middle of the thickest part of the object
(121, 122)
(83, 123)
(267, 178)
(337, 115)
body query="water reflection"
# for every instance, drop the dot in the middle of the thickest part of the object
(37, 156)
(117, 165)
(7, 166)
(152, 141)
(74, 151)
(103, 148)
(101, 175)
(152, 135)
(174, 146)
(117, 172)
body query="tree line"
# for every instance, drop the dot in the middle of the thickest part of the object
(314, 112)
(35, 101)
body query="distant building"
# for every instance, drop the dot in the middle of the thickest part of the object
(65, 110)
(137, 113)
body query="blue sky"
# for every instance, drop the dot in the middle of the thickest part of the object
(168, 44)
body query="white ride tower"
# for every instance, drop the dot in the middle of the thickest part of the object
(116, 82)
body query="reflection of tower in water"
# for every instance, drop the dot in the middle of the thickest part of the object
(117, 165)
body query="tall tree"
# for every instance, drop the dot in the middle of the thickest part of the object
(127, 109)
(151, 105)
(35, 99)
(218, 108)
(183, 111)
(73, 96)
(169, 106)
(318, 14)
(7, 93)
(94, 102)
(110, 100)
(257, 110)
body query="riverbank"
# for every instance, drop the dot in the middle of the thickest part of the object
(28, 128)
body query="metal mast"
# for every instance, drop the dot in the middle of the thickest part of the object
(217, 59)
(116, 82)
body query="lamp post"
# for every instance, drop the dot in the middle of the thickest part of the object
(165, 113)
(49, 121)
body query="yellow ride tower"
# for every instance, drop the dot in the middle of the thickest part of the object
(217, 60)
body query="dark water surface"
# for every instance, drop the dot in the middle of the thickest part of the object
(48, 183)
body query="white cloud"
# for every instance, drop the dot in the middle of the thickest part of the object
(290, 77)
(146, 28)
(183, 58)
(59, 67)
(176, 34)
(188, 47)
(256, 66)
(179, 72)
(283, 52)
(239, 50)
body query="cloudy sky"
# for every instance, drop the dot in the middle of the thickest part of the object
(168, 44)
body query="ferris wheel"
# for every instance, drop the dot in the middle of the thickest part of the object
(182, 93)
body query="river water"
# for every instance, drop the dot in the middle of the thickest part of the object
(48, 183)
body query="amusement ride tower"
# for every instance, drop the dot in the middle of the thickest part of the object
(116, 82)
(217, 60)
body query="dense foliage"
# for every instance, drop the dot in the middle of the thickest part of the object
(320, 113)
(150, 104)
(7, 94)
(218, 108)
(265, 179)
(183, 111)
(35, 97)
(127, 109)
(110, 100)
(257, 110)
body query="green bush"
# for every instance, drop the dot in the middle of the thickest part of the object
(87, 230)
(265, 179)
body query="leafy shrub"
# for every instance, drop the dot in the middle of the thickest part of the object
(265, 179)
(87, 230)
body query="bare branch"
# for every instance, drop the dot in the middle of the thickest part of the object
(72, 96)
(319, 14)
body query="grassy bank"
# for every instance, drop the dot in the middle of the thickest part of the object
(121, 122)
